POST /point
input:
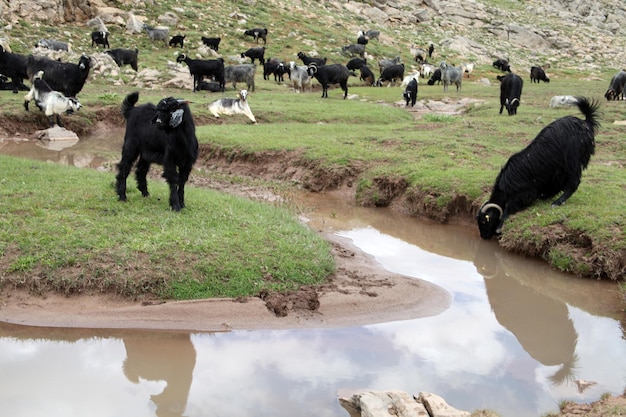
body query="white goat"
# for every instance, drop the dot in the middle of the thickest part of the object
(53, 103)
(427, 70)
(230, 106)
(468, 68)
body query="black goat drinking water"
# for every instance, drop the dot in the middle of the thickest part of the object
(551, 163)
(164, 134)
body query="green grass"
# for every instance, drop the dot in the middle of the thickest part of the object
(61, 228)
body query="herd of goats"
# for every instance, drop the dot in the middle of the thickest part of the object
(164, 133)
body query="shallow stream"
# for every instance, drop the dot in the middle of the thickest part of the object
(518, 338)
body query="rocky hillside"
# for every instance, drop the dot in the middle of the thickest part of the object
(576, 34)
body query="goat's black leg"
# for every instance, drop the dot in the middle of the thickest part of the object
(123, 171)
(172, 178)
(182, 180)
(567, 193)
(140, 175)
(59, 121)
(51, 120)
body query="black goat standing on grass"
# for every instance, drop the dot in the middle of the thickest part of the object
(14, 66)
(164, 134)
(200, 68)
(330, 74)
(66, 77)
(410, 93)
(178, 40)
(510, 92)
(551, 163)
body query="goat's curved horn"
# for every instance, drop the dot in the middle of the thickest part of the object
(487, 206)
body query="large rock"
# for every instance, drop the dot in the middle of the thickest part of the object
(398, 403)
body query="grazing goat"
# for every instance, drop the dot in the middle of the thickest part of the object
(551, 163)
(392, 73)
(362, 40)
(243, 73)
(367, 75)
(435, 78)
(66, 77)
(230, 106)
(410, 93)
(178, 40)
(308, 60)
(354, 50)
(53, 103)
(510, 93)
(616, 87)
(200, 68)
(164, 134)
(558, 101)
(257, 34)
(502, 64)
(370, 34)
(356, 63)
(384, 63)
(213, 43)
(538, 74)
(53, 45)
(418, 54)
(100, 38)
(157, 34)
(426, 70)
(468, 68)
(330, 74)
(451, 75)
(15, 67)
(124, 57)
(254, 54)
(277, 67)
(299, 76)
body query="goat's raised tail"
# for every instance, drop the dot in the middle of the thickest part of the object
(129, 103)
(590, 109)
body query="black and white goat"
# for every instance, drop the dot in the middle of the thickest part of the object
(510, 92)
(213, 43)
(177, 40)
(100, 38)
(257, 33)
(243, 73)
(66, 77)
(124, 57)
(451, 75)
(538, 74)
(51, 102)
(330, 74)
(277, 67)
(616, 87)
(230, 106)
(435, 77)
(254, 54)
(369, 34)
(164, 134)
(200, 68)
(410, 93)
(15, 67)
(299, 75)
(552, 163)
(308, 60)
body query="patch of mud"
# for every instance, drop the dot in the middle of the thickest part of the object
(445, 107)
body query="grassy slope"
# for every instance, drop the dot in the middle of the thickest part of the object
(438, 158)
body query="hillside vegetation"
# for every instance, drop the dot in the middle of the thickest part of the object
(428, 162)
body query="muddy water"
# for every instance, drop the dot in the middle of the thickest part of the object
(518, 338)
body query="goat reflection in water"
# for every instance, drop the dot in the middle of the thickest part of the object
(170, 358)
(541, 324)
